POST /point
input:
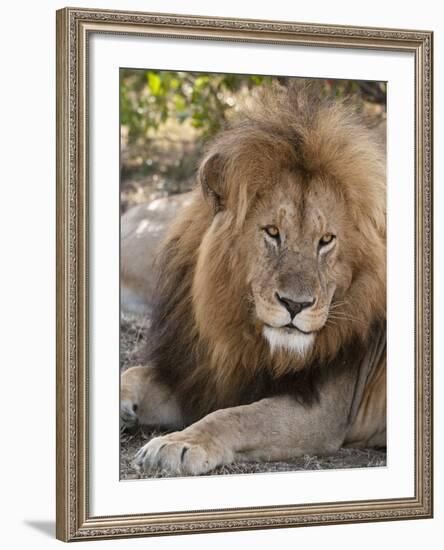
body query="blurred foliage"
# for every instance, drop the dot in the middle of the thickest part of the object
(166, 116)
(360, 90)
(150, 98)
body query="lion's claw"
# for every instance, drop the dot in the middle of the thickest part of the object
(178, 454)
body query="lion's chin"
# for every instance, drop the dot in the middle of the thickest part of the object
(292, 341)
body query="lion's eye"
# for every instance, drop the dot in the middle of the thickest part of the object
(272, 231)
(326, 239)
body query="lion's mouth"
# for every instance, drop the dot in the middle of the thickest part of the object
(292, 327)
(289, 328)
(289, 338)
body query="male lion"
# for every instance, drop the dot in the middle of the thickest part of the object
(268, 334)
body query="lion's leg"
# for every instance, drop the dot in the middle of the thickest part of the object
(275, 428)
(144, 401)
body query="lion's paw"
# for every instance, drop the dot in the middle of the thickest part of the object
(178, 453)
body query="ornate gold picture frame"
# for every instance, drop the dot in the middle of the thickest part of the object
(75, 520)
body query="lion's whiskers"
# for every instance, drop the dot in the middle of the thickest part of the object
(345, 317)
(337, 305)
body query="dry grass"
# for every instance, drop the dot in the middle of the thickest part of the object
(344, 458)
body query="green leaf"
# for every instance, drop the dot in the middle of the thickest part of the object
(179, 102)
(154, 83)
(256, 79)
(201, 82)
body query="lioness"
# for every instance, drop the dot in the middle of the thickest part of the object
(268, 335)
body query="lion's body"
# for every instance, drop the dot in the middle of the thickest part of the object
(143, 228)
(250, 326)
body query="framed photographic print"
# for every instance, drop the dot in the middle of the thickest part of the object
(244, 274)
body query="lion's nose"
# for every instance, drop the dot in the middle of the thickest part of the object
(292, 306)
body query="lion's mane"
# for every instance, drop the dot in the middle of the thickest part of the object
(203, 340)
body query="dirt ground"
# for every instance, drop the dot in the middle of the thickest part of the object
(132, 337)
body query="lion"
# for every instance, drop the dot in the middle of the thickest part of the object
(268, 327)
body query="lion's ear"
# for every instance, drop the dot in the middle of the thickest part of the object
(210, 178)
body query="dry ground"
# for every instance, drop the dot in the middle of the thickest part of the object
(132, 337)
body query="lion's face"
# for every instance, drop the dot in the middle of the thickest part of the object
(296, 269)
(290, 246)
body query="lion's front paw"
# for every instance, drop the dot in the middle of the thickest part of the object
(179, 453)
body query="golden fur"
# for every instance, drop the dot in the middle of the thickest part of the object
(293, 148)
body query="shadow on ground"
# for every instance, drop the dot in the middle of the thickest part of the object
(47, 527)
